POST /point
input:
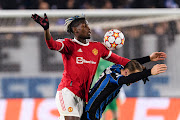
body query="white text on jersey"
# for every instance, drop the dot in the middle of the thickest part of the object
(80, 60)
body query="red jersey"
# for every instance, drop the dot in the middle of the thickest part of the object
(80, 63)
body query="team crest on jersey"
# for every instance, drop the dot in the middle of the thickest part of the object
(95, 51)
(70, 109)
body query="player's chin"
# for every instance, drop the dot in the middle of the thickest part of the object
(88, 37)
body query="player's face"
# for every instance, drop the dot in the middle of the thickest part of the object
(83, 31)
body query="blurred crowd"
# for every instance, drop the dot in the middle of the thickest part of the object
(87, 4)
(165, 31)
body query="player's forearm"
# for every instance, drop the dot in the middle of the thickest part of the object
(118, 59)
(134, 77)
(143, 59)
(47, 34)
(53, 45)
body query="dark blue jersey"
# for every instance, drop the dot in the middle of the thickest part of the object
(107, 88)
(103, 92)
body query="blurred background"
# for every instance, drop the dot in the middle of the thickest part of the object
(30, 72)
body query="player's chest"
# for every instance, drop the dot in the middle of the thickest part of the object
(86, 55)
(86, 51)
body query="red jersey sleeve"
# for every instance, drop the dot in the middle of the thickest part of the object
(112, 57)
(105, 52)
(61, 45)
(118, 59)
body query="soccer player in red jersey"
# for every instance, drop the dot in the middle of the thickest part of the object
(80, 58)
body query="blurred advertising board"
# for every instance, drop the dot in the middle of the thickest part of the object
(147, 108)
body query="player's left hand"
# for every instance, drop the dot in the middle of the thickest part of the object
(156, 56)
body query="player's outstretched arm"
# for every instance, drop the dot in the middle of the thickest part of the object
(157, 69)
(155, 56)
(44, 22)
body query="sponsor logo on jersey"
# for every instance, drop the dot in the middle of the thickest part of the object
(79, 50)
(81, 60)
(95, 51)
(70, 109)
(60, 40)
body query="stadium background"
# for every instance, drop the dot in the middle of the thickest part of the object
(30, 72)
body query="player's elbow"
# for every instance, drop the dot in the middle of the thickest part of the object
(51, 48)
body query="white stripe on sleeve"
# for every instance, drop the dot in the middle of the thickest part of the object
(109, 55)
(59, 40)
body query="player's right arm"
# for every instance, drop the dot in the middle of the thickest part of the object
(112, 57)
(157, 69)
(47, 34)
(51, 43)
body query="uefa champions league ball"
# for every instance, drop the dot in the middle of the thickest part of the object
(114, 39)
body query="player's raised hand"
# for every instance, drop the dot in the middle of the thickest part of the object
(159, 68)
(155, 56)
(44, 22)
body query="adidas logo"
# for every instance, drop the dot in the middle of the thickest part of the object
(79, 50)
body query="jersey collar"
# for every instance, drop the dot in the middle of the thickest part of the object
(87, 43)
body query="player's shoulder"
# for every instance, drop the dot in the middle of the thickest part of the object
(116, 68)
(117, 65)
(93, 42)
(68, 39)
(65, 40)
(97, 43)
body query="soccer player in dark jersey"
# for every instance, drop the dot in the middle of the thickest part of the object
(80, 58)
(111, 81)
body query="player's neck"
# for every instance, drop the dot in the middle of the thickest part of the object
(81, 40)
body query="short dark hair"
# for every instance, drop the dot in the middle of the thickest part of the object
(133, 65)
(75, 23)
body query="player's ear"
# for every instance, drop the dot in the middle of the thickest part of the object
(126, 72)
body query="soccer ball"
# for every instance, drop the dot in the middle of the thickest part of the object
(114, 39)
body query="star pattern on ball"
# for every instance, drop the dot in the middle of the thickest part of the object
(106, 38)
(115, 35)
(114, 45)
(114, 39)
(122, 41)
